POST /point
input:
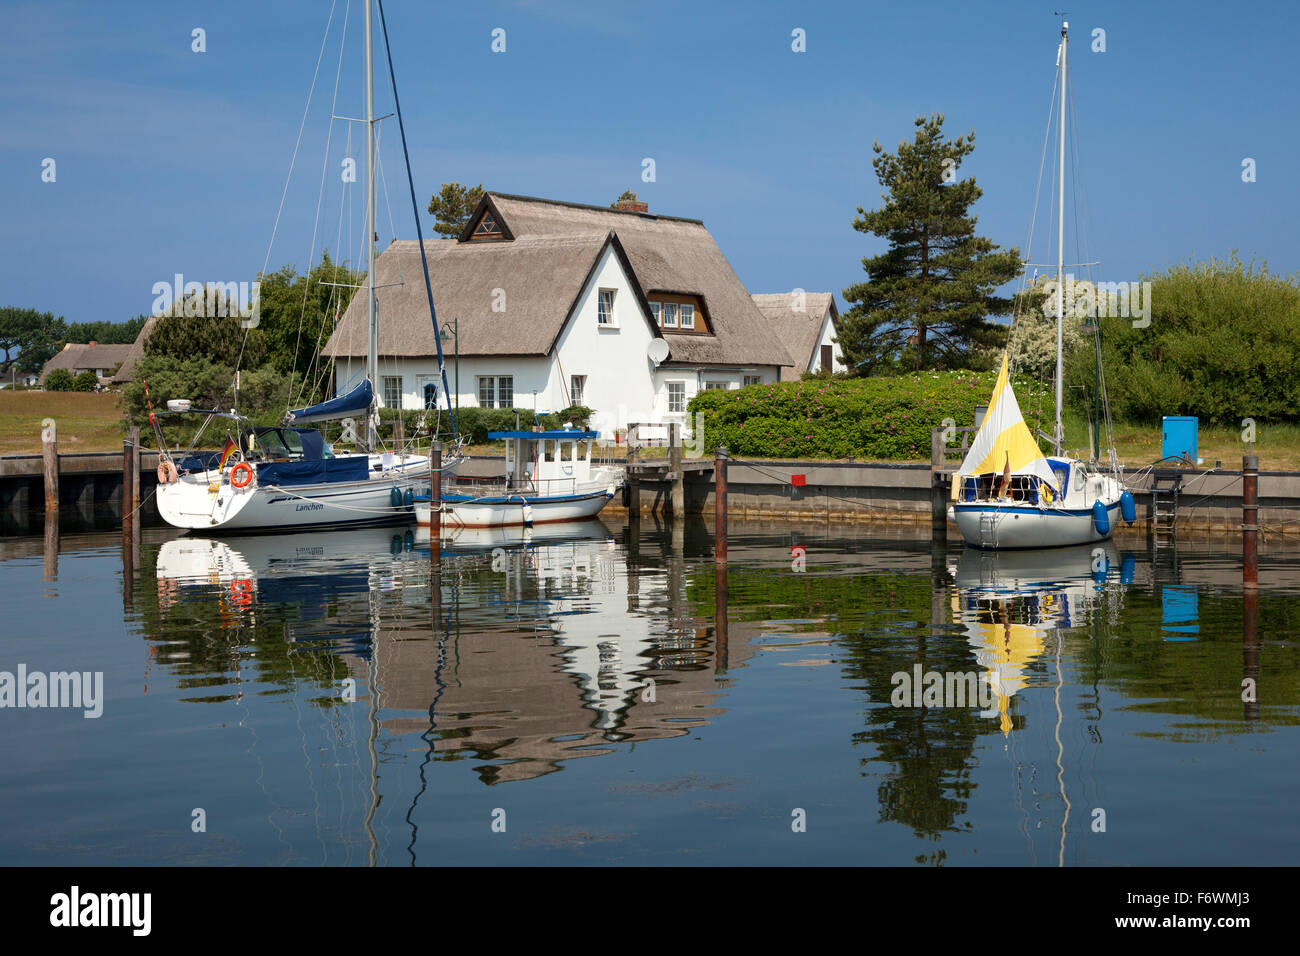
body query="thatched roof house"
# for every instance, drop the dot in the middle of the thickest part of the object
(806, 323)
(75, 358)
(135, 352)
(563, 300)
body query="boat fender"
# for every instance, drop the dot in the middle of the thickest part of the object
(1127, 508)
(245, 470)
(395, 496)
(408, 499)
(167, 472)
(1100, 518)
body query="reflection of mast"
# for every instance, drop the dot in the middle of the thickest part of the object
(1060, 751)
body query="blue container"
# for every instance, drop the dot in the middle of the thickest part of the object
(1178, 437)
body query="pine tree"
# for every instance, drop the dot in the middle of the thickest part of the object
(927, 300)
(452, 207)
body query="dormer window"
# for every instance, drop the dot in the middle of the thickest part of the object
(688, 316)
(487, 228)
(670, 315)
(678, 312)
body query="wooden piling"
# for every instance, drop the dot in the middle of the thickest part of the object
(50, 454)
(678, 500)
(633, 483)
(435, 502)
(399, 438)
(128, 462)
(135, 471)
(720, 505)
(940, 484)
(1250, 522)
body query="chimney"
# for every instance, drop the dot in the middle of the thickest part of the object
(92, 344)
(632, 205)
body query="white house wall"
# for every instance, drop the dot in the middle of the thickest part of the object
(837, 355)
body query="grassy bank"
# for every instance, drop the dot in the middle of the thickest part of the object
(85, 421)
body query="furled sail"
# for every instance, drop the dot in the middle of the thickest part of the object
(1004, 440)
(354, 402)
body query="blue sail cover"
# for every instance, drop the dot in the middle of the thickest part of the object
(354, 402)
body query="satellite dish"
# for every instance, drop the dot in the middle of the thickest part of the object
(657, 351)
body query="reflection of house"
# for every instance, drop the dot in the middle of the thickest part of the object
(103, 360)
(558, 304)
(529, 698)
(806, 323)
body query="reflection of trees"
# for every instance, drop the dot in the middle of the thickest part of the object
(883, 625)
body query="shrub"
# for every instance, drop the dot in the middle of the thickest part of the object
(85, 382)
(476, 423)
(59, 380)
(884, 417)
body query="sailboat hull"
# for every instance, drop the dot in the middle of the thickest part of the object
(994, 526)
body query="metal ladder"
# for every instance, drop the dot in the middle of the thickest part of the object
(1165, 490)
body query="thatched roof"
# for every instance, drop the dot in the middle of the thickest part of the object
(799, 331)
(75, 358)
(135, 352)
(542, 263)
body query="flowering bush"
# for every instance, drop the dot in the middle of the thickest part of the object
(883, 418)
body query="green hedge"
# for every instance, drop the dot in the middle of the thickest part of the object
(477, 422)
(882, 418)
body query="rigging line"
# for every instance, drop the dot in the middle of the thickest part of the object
(293, 160)
(320, 202)
(415, 208)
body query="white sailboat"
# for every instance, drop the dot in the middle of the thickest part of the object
(549, 477)
(1007, 494)
(287, 477)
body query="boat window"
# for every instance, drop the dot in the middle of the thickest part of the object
(548, 450)
(580, 450)
(566, 451)
(272, 444)
(292, 441)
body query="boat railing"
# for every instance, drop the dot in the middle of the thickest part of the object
(500, 487)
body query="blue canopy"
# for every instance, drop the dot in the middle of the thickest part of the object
(357, 400)
(536, 436)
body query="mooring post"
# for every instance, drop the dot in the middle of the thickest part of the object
(399, 438)
(1250, 522)
(633, 483)
(720, 505)
(128, 462)
(50, 454)
(435, 502)
(675, 466)
(939, 489)
(135, 471)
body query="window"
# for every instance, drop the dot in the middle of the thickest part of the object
(577, 386)
(430, 395)
(496, 391)
(670, 315)
(753, 380)
(688, 316)
(711, 386)
(605, 315)
(391, 386)
(656, 312)
(676, 398)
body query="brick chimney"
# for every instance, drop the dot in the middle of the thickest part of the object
(633, 205)
(92, 344)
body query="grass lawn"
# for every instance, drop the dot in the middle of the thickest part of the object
(85, 421)
(1278, 446)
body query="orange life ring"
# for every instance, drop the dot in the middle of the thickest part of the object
(167, 472)
(243, 468)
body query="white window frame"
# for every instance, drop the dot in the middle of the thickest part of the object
(605, 312)
(680, 389)
(657, 312)
(716, 386)
(495, 382)
(384, 381)
(671, 309)
(753, 380)
(577, 389)
(687, 316)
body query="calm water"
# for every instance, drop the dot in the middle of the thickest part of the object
(306, 700)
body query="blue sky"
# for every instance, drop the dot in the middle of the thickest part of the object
(174, 161)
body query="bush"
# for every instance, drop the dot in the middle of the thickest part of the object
(59, 380)
(885, 417)
(1223, 345)
(476, 423)
(85, 382)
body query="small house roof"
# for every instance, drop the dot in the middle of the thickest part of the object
(76, 358)
(798, 329)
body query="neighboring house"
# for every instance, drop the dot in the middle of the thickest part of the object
(563, 304)
(135, 352)
(806, 323)
(103, 360)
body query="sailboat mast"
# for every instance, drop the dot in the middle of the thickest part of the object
(372, 345)
(1060, 251)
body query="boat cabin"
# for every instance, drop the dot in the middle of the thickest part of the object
(547, 462)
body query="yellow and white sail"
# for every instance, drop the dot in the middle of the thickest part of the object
(1004, 442)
